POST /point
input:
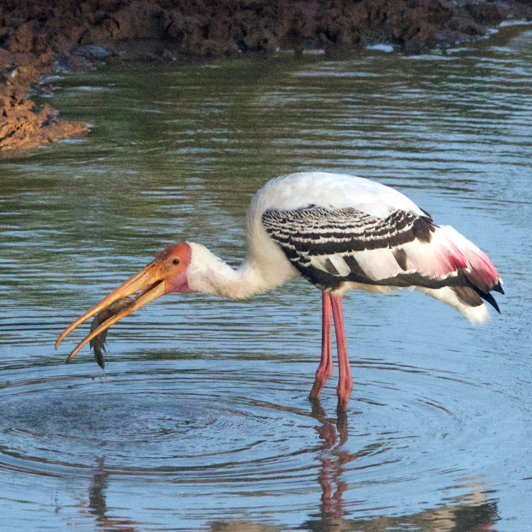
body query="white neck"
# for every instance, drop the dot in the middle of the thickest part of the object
(209, 274)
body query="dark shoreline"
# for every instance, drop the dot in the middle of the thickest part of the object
(36, 39)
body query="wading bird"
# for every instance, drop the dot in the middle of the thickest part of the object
(341, 233)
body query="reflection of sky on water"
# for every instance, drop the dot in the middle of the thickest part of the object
(202, 419)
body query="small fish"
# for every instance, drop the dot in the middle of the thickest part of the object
(98, 342)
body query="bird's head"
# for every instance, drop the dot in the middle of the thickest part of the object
(167, 273)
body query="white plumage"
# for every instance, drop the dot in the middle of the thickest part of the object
(329, 190)
(341, 233)
(447, 256)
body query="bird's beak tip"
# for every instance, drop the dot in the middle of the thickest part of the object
(150, 287)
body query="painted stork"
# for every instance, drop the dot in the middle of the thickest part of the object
(341, 233)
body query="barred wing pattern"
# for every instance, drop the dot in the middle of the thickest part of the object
(333, 246)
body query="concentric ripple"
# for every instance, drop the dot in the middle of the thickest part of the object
(202, 421)
(159, 418)
(148, 420)
(205, 431)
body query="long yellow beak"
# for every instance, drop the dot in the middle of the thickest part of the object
(151, 289)
(167, 273)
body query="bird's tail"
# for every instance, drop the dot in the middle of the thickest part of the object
(480, 275)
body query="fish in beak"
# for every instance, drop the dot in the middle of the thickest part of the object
(98, 342)
(167, 273)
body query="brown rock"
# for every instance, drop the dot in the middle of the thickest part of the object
(467, 26)
(104, 31)
(36, 32)
(488, 14)
(142, 19)
(24, 125)
(21, 40)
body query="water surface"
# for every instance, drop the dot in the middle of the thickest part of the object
(201, 420)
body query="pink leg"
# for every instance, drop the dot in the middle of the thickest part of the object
(345, 381)
(325, 368)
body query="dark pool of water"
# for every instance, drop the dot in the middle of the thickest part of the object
(201, 421)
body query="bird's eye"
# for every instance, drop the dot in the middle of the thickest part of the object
(175, 261)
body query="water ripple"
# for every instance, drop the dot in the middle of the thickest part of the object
(202, 420)
(156, 420)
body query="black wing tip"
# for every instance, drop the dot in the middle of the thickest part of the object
(486, 296)
(498, 288)
(427, 215)
(491, 300)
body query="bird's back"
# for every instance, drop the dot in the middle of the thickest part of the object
(343, 232)
(329, 190)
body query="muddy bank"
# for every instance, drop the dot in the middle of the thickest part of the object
(23, 124)
(36, 37)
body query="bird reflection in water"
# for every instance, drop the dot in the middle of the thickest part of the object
(471, 512)
(468, 513)
(333, 458)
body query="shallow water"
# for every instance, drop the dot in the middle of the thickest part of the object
(201, 420)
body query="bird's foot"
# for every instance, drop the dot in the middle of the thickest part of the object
(322, 376)
(316, 390)
(343, 398)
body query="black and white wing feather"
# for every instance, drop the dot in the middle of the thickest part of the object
(358, 234)
(330, 246)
